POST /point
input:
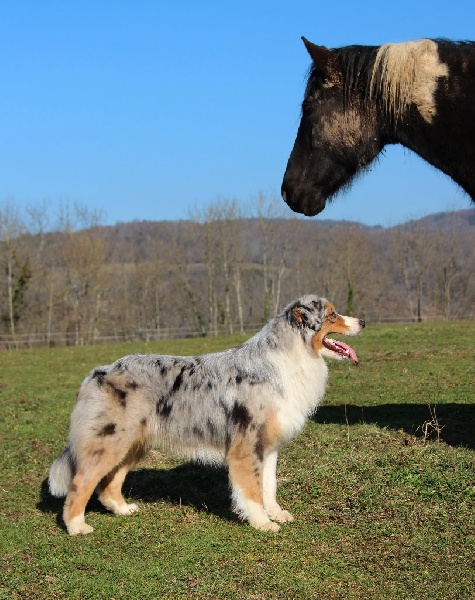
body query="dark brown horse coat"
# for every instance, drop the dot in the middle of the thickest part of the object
(359, 98)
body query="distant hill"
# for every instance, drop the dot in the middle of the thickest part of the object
(456, 220)
(140, 230)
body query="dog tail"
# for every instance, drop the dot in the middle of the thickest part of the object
(61, 474)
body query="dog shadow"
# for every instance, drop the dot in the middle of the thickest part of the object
(450, 423)
(206, 488)
(200, 487)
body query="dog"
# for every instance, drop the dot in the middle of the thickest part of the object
(236, 407)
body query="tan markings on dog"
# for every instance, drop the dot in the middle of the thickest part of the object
(80, 491)
(109, 473)
(245, 457)
(86, 480)
(406, 74)
(245, 470)
(333, 324)
(111, 485)
(298, 315)
(273, 432)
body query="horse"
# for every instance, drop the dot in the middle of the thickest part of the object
(420, 94)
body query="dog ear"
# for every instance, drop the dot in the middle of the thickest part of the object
(299, 316)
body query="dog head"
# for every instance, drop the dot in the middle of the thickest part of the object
(316, 319)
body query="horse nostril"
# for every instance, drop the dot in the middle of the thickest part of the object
(362, 323)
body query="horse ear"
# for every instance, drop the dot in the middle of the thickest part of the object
(320, 55)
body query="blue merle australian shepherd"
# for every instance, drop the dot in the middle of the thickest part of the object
(238, 407)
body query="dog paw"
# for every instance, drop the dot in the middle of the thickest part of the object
(268, 526)
(282, 516)
(79, 529)
(126, 509)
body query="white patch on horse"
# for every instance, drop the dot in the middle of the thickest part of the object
(407, 73)
(344, 128)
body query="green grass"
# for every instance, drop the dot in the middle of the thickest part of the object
(381, 483)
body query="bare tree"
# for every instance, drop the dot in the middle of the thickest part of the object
(276, 246)
(83, 253)
(454, 271)
(414, 250)
(16, 266)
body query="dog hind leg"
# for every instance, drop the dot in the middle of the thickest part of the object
(110, 488)
(92, 466)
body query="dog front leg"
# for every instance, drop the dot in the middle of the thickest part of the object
(271, 505)
(246, 479)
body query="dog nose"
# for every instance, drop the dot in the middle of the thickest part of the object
(362, 323)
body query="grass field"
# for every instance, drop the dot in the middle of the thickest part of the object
(381, 483)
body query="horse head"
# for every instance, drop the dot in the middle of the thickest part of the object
(338, 135)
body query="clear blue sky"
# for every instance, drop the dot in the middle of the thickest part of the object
(148, 109)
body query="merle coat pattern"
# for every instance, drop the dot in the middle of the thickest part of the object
(235, 407)
(360, 98)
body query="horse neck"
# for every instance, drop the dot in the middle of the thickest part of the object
(446, 143)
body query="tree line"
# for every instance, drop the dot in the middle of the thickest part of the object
(223, 270)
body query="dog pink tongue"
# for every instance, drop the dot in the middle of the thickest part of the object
(346, 350)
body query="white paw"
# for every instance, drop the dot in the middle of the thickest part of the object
(79, 528)
(126, 509)
(282, 516)
(276, 513)
(267, 526)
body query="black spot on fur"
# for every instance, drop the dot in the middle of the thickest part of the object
(108, 429)
(178, 381)
(259, 446)
(143, 422)
(99, 376)
(241, 416)
(243, 377)
(164, 406)
(211, 427)
(163, 369)
(73, 488)
(132, 385)
(198, 432)
(119, 394)
(164, 403)
(224, 407)
(272, 341)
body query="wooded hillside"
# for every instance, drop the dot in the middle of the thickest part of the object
(221, 272)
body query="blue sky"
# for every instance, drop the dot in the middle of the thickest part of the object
(150, 109)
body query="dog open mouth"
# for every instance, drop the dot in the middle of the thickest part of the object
(340, 348)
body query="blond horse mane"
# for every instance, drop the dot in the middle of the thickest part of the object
(407, 73)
